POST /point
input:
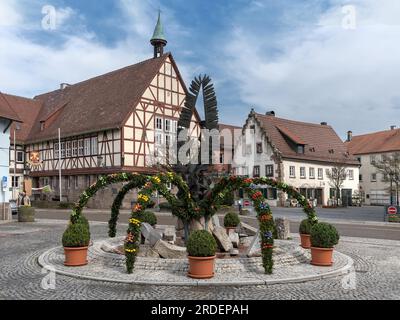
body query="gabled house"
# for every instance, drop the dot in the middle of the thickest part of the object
(116, 122)
(370, 149)
(297, 153)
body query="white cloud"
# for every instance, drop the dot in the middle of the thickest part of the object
(9, 16)
(349, 78)
(29, 68)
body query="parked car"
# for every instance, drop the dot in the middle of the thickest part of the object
(14, 207)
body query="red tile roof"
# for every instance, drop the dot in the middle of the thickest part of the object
(321, 141)
(100, 103)
(377, 142)
(6, 109)
(27, 110)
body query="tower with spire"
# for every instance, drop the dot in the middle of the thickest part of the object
(158, 40)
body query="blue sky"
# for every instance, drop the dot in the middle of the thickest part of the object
(295, 57)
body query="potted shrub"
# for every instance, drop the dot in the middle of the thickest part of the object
(231, 221)
(324, 237)
(201, 247)
(26, 214)
(76, 240)
(305, 230)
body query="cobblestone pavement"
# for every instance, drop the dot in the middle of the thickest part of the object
(376, 274)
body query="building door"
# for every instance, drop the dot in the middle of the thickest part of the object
(318, 196)
(347, 197)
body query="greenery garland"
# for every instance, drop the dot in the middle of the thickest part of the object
(264, 213)
(186, 209)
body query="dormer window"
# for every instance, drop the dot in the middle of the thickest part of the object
(300, 149)
(42, 125)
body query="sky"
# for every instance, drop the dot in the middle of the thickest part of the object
(332, 61)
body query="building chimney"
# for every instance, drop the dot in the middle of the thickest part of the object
(270, 113)
(393, 127)
(324, 123)
(349, 136)
(64, 86)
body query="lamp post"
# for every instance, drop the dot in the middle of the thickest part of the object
(14, 183)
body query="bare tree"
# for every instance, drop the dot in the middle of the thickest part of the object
(337, 175)
(389, 166)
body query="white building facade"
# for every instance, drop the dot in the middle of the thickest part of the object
(299, 154)
(370, 149)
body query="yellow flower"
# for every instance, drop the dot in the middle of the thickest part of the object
(170, 175)
(130, 250)
(135, 221)
(143, 197)
(157, 180)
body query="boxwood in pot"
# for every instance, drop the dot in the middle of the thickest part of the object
(201, 248)
(324, 237)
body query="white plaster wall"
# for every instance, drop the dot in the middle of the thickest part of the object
(4, 159)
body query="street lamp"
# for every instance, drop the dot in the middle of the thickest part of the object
(17, 127)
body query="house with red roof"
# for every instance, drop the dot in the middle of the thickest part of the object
(117, 122)
(371, 148)
(297, 153)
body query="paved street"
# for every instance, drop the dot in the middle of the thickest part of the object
(376, 273)
(347, 220)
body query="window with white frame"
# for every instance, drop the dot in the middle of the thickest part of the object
(167, 125)
(158, 138)
(174, 126)
(62, 149)
(373, 177)
(20, 156)
(351, 174)
(292, 171)
(269, 170)
(74, 148)
(312, 173)
(302, 172)
(94, 147)
(256, 171)
(320, 173)
(68, 149)
(372, 159)
(56, 151)
(81, 148)
(159, 124)
(15, 182)
(167, 141)
(86, 147)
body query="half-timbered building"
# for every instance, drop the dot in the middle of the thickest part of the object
(121, 121)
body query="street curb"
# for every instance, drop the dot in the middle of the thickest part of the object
(340, 221)
(196, 283)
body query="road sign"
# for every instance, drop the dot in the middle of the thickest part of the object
(392, 210)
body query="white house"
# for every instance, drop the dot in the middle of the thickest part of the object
(369, 149)
(7, 116)
(297, 153)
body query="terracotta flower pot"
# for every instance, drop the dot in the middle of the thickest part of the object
(305, 241)
(75, 257)
(321, 256)
(201, 267)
